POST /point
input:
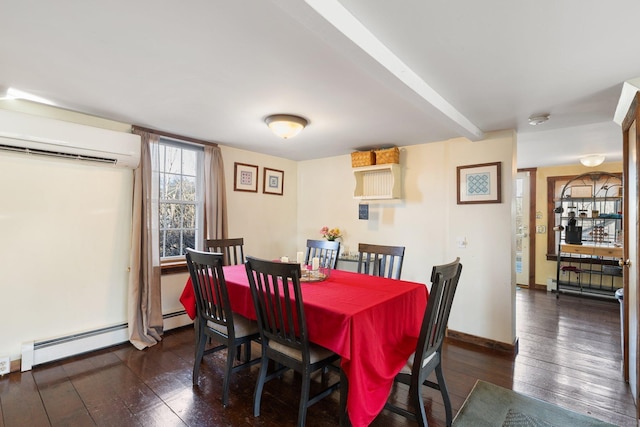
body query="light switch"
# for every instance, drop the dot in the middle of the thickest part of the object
(462, 242)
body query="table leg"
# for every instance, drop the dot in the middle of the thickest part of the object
(344, 390)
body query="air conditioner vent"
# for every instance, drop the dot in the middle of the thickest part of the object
(45, 136)
(38, 152)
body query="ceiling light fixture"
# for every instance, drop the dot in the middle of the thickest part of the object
(538, 119)
(286, 125)
(592, 160)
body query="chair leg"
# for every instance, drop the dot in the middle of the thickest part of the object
(247, 352)
(201, 342)
(418, 403)
(344, 390)
(304, 398)
(257, 393)
(445, 394)
(231, 350)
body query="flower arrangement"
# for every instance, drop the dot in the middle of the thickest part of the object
(330, 233)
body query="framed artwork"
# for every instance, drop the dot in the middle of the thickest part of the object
(479, 183)
(245, 177)
(273, 182)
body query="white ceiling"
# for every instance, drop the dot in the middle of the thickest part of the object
(364, 72)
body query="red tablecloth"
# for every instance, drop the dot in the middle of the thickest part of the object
(371, 322)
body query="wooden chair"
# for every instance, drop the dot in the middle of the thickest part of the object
(327, 251)
(378, 260)
(444, 279)
(232, 249)
(283, 331)
(214, 318)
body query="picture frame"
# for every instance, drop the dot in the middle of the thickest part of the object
(479, 183)
(245, 177)
(273, 181)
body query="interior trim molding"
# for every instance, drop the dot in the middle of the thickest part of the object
(460, 338)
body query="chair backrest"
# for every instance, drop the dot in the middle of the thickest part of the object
(444, 281)
(232, 249)
(379, 260)
(210, 288)
(275, 288)
(326, 250)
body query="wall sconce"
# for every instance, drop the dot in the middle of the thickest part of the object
(592, 160)
(286, 125)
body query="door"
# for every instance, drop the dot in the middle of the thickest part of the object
(523, 234)
(631, 233)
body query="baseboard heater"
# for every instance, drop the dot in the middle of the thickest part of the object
(38, 352)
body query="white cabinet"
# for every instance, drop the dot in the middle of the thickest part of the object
(378, 182)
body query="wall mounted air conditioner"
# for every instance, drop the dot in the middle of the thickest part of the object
(36, 135)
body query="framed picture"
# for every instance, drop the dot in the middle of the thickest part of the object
(245, 177)
(479, 183)
(273, 182)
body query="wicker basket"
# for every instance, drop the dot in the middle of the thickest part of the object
(389, 155)
(362, 158)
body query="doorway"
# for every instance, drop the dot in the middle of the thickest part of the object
(525, 196)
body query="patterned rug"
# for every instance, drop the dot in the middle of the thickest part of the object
(493, 406)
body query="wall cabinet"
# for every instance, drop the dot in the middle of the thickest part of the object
(378, 182)
(589, 226)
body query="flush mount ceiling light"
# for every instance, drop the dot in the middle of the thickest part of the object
(538, 119)
(286, 125)
(592, 160)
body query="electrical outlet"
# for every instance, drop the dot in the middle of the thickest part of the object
(4, 365)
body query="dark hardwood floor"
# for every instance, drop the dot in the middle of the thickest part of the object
(569, 355)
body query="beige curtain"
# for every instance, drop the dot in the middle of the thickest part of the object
(145, 307)
(215, 199)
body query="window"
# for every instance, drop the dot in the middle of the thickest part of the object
(180, 202)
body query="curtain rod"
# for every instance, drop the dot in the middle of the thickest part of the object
(173, 135)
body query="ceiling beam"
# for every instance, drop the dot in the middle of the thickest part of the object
(629, 89)
(338, 16)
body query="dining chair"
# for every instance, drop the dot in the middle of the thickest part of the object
(214, 318)
(232, 249)
(428, 354)
(277, 296)
(326, 250)
(379, 260)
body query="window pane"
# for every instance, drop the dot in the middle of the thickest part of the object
(189, 189)
(165, 215)
(172, 161)
(189, 216)
(173, 215)
(172, 244)
(161, 157)
(189, 239)
(163, 186)
(189, 162)
(172, 187)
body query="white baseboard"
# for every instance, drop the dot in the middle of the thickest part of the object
(39, 352)
(176, 320)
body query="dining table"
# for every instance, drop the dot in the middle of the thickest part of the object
(372, 322)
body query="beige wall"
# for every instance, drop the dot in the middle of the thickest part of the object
(65, 228)
(428, 221)
(547, 269)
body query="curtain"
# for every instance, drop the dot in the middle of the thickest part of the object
(144, 306)
(215, 199)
